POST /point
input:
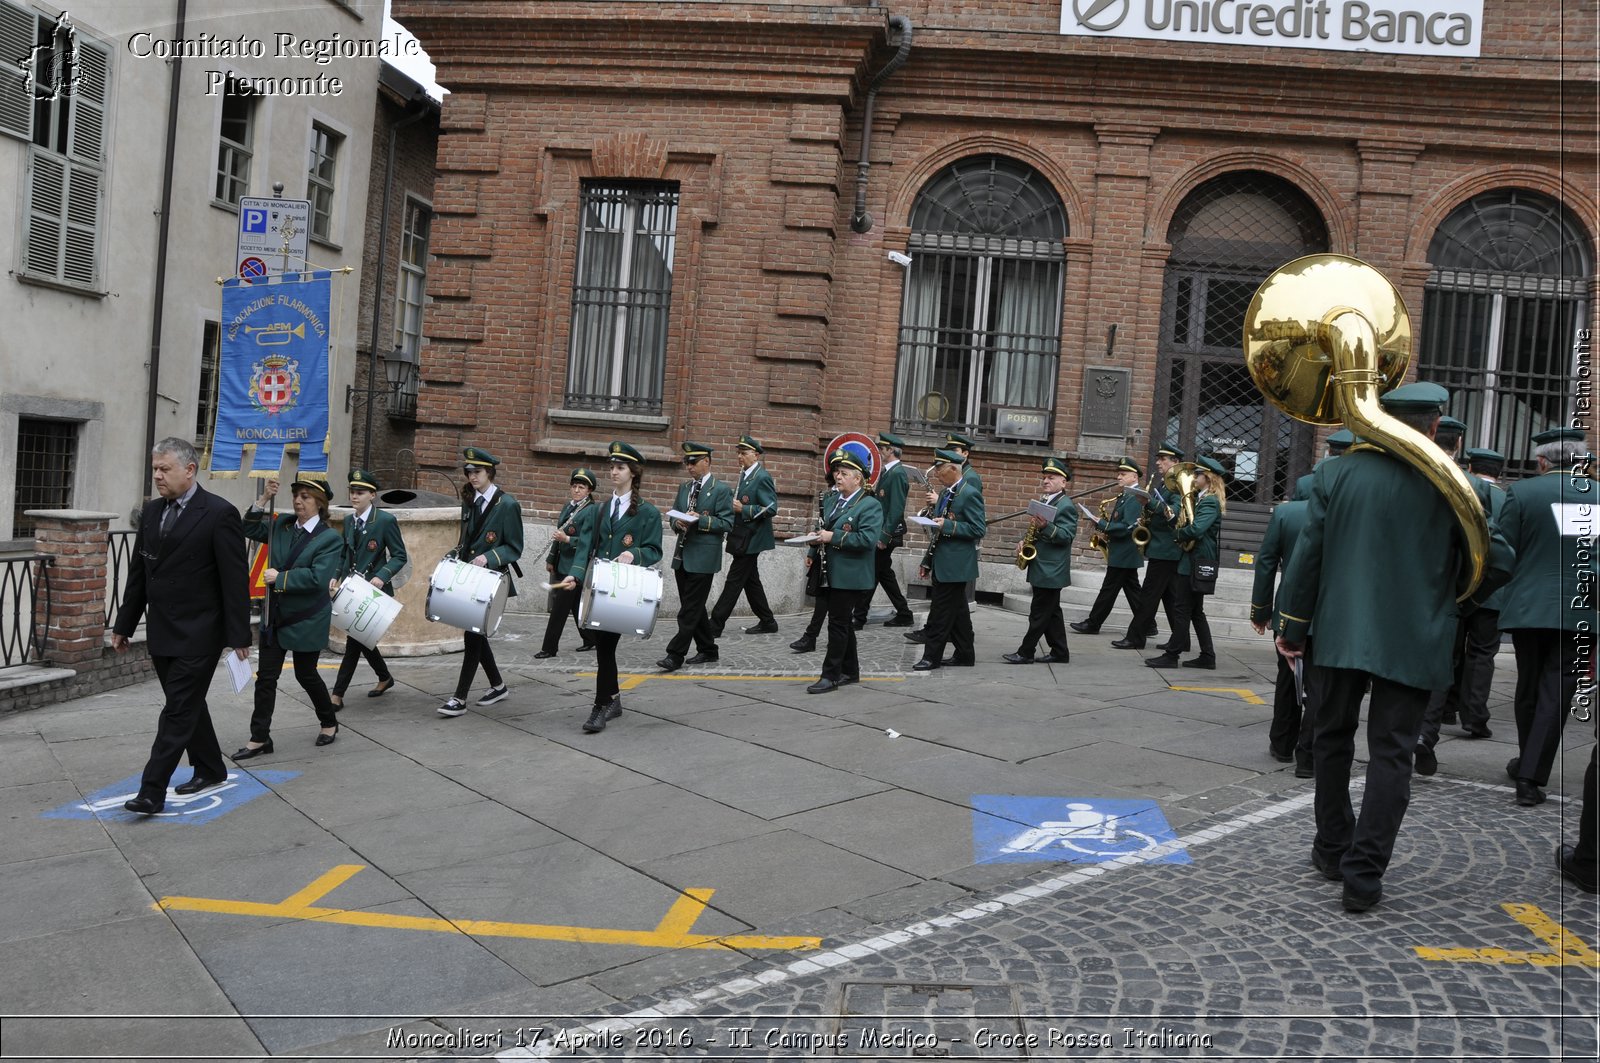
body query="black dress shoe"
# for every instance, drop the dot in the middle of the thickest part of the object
(586, 647)
(822, 686)
(245, 752)
(1327, 866)
(953, 662)
(1205, 660)
(614, 708)
(196, 784)
(846, 680)
(143, 805)
(804, 644)
(1427, 762)
(762, 629)
(924, 665)
(1083, 627)
(1302, 766)
(903, 620)
(916, 636)
(1125, 644)
(1280, 757)
(596, 721)
(1514, 768)
(1017, 658)
(1151, 632)
(1478, 730)
(1359, 902)
(327, 740)
(702, 658)
(1574, 872)
(670, 663)
(1529, 794)
(542, 654)
(1166, 660)
(382, 688)
(1056, 658)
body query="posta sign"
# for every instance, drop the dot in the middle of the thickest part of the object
(1410, 27)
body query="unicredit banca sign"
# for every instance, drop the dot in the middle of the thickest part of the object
(1412, 27)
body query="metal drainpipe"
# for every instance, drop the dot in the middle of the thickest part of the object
(861, 221)
(377, 283)
(159, 298)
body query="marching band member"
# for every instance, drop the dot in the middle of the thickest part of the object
(1123, 559)
(755, 503)
(627, 530)
(567, 560)
(697, 557)
(1197, 571)
(375, 551)
(807, 642)
(302, 559)
(891, 489)
(844, 550)
(1161, 588)
(491, 537)
(962, 446)
(1289, 737)
(951, 561)
(1051, 568)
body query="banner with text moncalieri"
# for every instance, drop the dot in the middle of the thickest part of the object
(1407, 27)
(272, 387)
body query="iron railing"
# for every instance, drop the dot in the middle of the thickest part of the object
(119, 558)
(25, 607)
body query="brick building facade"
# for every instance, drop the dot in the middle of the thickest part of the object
(644, 212)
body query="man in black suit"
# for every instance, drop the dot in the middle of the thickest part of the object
(188, 570)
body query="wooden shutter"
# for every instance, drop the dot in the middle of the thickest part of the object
(89, 95)
(18, 34)
(45, 222)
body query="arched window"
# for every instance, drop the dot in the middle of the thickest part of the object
(1227, 236)
(980, 323)
(1512, 272)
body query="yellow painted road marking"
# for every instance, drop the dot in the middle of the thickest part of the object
(673, 932)
(1248, 695)
(630, 680)
(1566, 948)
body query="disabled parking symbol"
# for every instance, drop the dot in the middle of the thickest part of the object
(239, 789)
(1082, 830)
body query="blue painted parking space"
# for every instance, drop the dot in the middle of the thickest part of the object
(1007, 828)
(239, 790)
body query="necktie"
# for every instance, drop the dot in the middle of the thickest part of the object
(361, 525)
(167, 517)
(483, 505)
(944, 502)
(838, 504)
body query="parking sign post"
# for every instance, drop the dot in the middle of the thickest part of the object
(271, 230)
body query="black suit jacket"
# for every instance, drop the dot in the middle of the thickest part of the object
(194, 584)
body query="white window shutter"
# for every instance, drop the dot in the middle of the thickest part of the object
(46, 209)
(89, 102)
(79, 257)
(18, 35)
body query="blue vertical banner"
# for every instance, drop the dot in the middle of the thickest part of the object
(273, 385)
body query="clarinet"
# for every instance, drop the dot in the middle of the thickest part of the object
(694, 499)
(822, 548)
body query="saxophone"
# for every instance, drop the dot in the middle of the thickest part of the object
(1027, 550)
(1098, 540)
(1141, 530)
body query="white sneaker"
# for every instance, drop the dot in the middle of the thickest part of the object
(453, 707)
(499, 693)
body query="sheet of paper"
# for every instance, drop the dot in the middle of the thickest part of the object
(926, 522)
(239, 671)
(678, 514)
(1087, 512)
(1043, 510)
(808, 537)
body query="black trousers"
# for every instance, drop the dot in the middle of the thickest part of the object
(819, 614)
(1547, 678)
(744, 577)
(563, 603)
(268, 667)
(606, 685)
(353, 652)
(1194, 615)
(1362, 844)
(1477, 641)
(184, 725)
(1162, 587)
(1308, 718)
(839, 661)
(949, 621)
(1045, 622)
(1284, 734)
(693, 622)
(1586, 854)
(477, 651)
(1125, 580)
(883, 564)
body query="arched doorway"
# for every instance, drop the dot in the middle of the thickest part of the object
(1226, 237)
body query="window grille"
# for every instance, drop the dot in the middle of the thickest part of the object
(47, 460)
(622, 297)
(410, 297)
(234, 142)
(205, 422)
(980, 318)
(320, 179)
(1512, 275)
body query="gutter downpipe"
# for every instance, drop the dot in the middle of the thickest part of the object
(159, 298)
(861, 221)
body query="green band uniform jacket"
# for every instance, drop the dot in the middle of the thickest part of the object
(1554, 582)
(378, 552)
(638, 531)
(301, 607)
(1118, 529)
(1386, 610)
(700, 544)
(857, 526)
(571, 558)
(1493, 499)
(1205, 531)
(760, 498)
(955, 546)
(1052, 568)
(1277, 548)
(891, 494)
(495, 536)
(1163, 544)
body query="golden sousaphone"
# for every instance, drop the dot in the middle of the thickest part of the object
(1326, 335)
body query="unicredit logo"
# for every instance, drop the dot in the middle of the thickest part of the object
(1100, 15)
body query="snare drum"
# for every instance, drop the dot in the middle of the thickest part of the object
(362, 611)
(620, 598)
(467, 596)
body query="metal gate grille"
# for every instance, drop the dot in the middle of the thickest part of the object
(1226, 237)
(1511, 285)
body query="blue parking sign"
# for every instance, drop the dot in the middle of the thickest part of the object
(253, 220)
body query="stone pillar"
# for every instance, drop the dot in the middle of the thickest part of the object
(76, 540)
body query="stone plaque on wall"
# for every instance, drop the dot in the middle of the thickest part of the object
(1105, 401)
